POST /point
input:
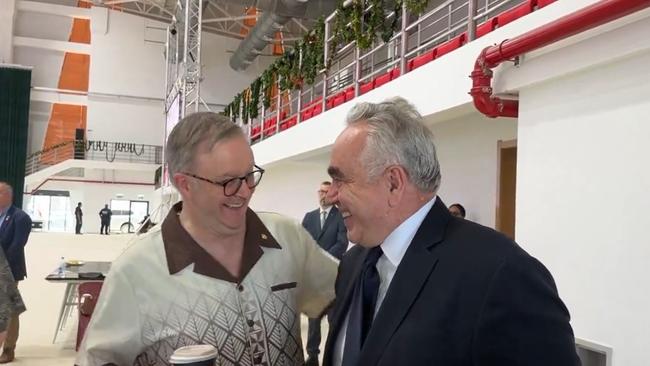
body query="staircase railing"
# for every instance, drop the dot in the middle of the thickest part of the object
(93, 150)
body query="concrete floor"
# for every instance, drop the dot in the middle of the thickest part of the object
(43, 299)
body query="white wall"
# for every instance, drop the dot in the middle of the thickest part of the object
(582, 198)
(125, 120)
(467, 151)
(121, 62)
(220, 83)
(7, 19)
(47, 65)
(291, 188)
(43, 26)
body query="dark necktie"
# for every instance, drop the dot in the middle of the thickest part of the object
(362, 308)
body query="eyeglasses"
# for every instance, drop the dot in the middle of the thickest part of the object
(231, 186)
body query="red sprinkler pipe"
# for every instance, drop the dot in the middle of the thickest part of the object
(577, 22)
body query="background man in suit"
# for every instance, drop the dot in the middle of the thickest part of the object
(15, 226)
(423, 287)
(78, 216)
(326, 226)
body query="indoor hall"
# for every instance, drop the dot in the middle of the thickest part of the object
(536, 107)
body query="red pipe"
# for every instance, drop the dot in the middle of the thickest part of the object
(577, 22)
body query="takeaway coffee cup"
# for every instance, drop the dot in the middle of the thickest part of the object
(199, 355)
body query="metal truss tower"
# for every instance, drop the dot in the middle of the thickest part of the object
(184, 58)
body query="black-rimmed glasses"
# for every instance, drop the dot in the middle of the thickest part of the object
(231, 186)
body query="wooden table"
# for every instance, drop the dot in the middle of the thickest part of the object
(72, 277)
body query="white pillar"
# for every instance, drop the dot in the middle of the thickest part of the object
(7, 15)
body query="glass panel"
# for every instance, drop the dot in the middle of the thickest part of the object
(120, 218)
(139, 209)
(59, 209)
(42, 210)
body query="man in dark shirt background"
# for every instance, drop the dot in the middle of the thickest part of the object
(325, 224)
(105, 216)
(78, 217)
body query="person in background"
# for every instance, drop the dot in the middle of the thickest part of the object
(457, 210)
(422, 287)
(214, 271)
(326, 226)
(105, 217)
(78, 217)
(15, 227)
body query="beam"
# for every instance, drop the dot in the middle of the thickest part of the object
(51, 95)
(116, 2)
(49, 44)
(229, 19)
(54, 9)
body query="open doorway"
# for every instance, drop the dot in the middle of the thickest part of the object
(506, 187)
(127, 214)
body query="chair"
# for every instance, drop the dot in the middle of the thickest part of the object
(317, 108)
(515, 13)
(88, 295)
(382, 79)
(450, 45)
(423, 59)
(543, 3)
(338, 99)
(394, 73)
(487, 27)
(366, 87)
(349, 94)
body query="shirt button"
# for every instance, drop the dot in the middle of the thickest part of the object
(250, 322)
(240, 287)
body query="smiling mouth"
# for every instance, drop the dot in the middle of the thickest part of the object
(235, 205)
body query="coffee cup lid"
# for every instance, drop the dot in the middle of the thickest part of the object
(194, 353)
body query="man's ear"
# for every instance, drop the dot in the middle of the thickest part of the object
(182, 183)
(396, 179)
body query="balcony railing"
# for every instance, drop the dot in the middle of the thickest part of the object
(93, 150)
(444, 27)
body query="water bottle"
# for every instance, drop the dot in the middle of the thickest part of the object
(61, 270)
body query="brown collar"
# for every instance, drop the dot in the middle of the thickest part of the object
(182, 250)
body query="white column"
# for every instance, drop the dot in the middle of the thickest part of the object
(7, 16)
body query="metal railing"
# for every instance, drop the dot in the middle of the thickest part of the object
(352, 67)
(93, 150)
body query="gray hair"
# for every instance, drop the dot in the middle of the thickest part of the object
(397, 135)
(192, 131)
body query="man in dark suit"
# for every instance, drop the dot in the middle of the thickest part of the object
(78, 217)
(423, 287)
(15, 226)
(326, 226)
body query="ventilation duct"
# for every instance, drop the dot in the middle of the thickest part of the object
(276, 13)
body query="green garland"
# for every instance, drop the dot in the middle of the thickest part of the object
(350, 24)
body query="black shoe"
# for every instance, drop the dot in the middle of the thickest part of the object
(312, 360)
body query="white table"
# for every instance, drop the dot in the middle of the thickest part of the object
(72, 277)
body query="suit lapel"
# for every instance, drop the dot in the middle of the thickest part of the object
(340, 310)
(6, 220)
(412, 273)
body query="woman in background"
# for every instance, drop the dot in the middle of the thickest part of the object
(10, 301)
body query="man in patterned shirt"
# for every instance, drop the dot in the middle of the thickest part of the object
(214, 272)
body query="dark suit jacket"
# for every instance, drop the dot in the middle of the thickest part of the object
(333, 237)
(462, 295)
(13, 237)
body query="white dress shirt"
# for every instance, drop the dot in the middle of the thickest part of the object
(394, 248)
(327, 213)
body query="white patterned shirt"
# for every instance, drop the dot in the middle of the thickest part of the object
(166, 292)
